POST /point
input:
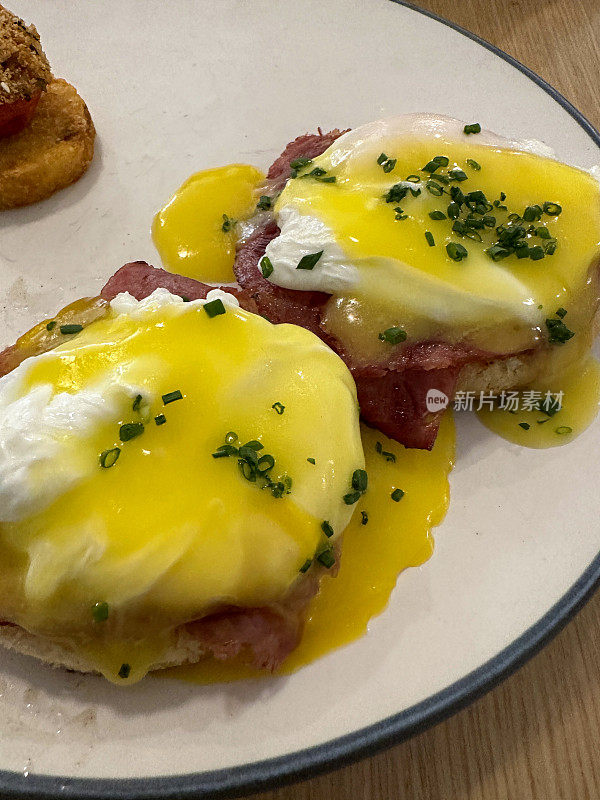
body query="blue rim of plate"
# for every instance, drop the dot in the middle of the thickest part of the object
(313, 761)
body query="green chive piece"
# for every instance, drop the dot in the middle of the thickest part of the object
(306, 566)
(254, 445)
(536, 253)
(311, 461)
(51, 325)
(473, 164)
(228, 223)
(279, 408)
(381, 159)
(558, 331)
(110, 457)
(397, 495)
(66, 330)
(458, 174)
(137, 402)
(171, 397)
(364, 517)
(437, 215)
(100, 612)
(266, 267)
(298, 163)
(360, 480)
(474, 127)
(561, 312)
(524, 425)
(351, 498)
(552, 209)
(231, 437)
(532, 213)
(131, 430)
(265, 203)
(214, 308)
(393, 335)
(326, 558)
(430, 239)
(327, 529)
(389, 165)
(160, 419)
(563, 430)
(456, 251)
(265, 463)
(309, 261)
(124, 671)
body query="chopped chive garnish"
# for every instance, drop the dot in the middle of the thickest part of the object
(100, 612)
(254, 445)
(364, 517)
(393, 335)
(326, 558)
(558, 331)
(225, 450)
(327, 529)
(171, 397)
(381, 159)
(266, 267)
(388, 456)
(265, 202)
(351, 498)
(160, 419)
(231, 437)
(389, 165)
(474, 127)
(561, 312)
(228, 223)
(397, 495)
(473, 164)
(124, 671)
(306, 566)
(311, 461)
(137, 402)
(532, 213)
(51, 325)
(110, 457)
(299, 163)
(309, 261)
(563, 430)
(430, 239)
(536, 253)
(524, 425)
(437, 215)
(457, 174)
(360, 480)
(552, 209)
(214, 308)
(66, 330)
(131, 430)
(456, 251)
(279, 407)
(265, 463)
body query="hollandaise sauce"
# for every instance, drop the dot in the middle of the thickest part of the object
(195, 232)
(390, 531)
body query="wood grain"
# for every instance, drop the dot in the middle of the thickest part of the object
(537, 736)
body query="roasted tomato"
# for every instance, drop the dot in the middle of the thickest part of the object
(17, 115)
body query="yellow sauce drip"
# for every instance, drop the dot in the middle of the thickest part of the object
(188, 232)
(580, 388)
(397, 536)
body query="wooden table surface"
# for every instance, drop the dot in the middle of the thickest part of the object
(538, 734)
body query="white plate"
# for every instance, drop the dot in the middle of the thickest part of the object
(178, 86)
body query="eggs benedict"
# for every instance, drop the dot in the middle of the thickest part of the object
(433, 256)
(175, 478)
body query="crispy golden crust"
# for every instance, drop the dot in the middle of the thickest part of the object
(24, 68)
(51, 153)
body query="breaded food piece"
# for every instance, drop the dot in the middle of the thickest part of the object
(24, 68)
(51, 153)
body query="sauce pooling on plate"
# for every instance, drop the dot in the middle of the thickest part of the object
(391, 530)
(194, 232)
